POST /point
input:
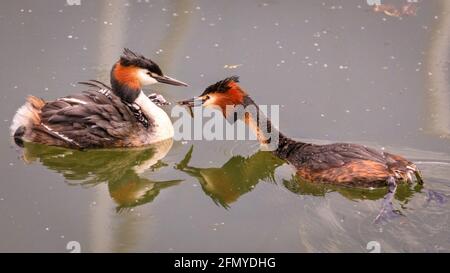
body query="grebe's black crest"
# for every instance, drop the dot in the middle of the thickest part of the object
(129, 58)
(220, 86)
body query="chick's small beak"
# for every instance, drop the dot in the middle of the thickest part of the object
(169, 80)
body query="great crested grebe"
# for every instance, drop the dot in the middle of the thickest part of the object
(339, 163)
(101, 117)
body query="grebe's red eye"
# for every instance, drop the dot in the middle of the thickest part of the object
(205, 98)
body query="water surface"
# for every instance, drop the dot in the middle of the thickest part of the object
(339, 71)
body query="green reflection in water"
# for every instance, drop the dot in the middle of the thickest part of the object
(238, 176)
(298, 186)
(119, 168)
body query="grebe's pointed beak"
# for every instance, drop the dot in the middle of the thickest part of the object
(169, 80)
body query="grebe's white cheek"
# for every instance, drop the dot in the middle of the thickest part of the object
(144, 78)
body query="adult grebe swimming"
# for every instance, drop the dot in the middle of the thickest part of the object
(339, 163)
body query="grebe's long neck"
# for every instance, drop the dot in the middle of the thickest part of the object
(162, 125)
(126, 86)
(124, 83)
(266, 132)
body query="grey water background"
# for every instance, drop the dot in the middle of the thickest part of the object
(339, 71)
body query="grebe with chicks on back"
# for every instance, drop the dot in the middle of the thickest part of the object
(101, 117)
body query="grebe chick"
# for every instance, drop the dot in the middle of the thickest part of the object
(102, 116)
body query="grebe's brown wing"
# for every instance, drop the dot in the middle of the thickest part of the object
(342, 163)
(90, 119)
(321, 157)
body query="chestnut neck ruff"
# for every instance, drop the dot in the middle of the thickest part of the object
(126, 86)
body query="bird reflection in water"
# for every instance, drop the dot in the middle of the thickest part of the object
(301, 187)
(119, 168)
(238, 176)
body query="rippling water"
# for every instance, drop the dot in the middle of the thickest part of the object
(340, 72)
